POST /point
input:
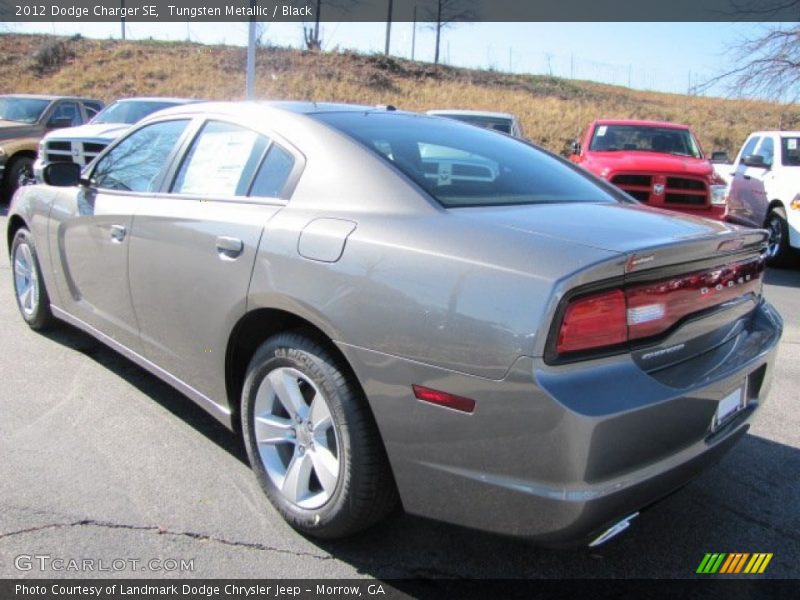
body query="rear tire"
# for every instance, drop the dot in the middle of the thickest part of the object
(30, 291)
(312, 441)
(779, 252)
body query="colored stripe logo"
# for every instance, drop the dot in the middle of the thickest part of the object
(734, 563)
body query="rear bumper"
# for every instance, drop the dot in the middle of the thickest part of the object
(560, 456)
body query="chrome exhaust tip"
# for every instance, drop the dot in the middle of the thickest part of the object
(614, 530)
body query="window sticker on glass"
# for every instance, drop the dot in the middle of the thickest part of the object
(791, 143)
(217, 162)
(601, 131)
(445, 174)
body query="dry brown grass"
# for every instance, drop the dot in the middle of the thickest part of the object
(552, 110)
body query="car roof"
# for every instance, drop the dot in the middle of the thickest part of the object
(158, 99)
(776, 132)
(645, 123)
(477, 113)
(48, 97)
(237, 109)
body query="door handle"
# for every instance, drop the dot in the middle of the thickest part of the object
(747, 177)
(229, 247)
(118, 233)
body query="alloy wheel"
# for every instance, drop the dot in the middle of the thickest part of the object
(26, 280)
(296, 436)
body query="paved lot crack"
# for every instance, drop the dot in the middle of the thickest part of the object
(162, 531)
(788, 534)
(420, 572)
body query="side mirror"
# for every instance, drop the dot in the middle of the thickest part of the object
(62, 174)
(754, 160)
(575, 147)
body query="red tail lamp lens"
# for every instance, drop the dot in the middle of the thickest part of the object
(594, 321)
(642, 311)
(466, 405)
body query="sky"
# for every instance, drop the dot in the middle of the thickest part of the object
(668, 57)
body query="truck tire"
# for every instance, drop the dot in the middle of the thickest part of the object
(779, 252)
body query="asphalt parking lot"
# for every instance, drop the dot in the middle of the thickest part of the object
(100, 460)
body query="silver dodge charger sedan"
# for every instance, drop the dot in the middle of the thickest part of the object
(396, 309)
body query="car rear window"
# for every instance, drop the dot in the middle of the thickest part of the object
(487, 122)
(790, 151)
(460, 165)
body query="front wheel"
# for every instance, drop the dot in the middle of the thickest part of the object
(779, 252)
(312, 440)
(29, 288)
(20, 173)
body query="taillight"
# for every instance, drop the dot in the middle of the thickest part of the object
(593, 322)
(647, 310)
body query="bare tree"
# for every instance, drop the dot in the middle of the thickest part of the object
(311, 35)
(766, 65)
(445, 13)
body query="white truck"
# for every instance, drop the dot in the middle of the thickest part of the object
(765, 191)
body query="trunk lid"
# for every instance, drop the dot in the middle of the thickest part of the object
(650, 238)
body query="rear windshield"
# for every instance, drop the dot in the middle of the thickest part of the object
(790, 151)
(487, 122)
(460, 165)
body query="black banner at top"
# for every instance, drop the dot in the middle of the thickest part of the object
(155, 11)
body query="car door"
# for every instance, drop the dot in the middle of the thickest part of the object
(91, 230)
(741, 192)
(756, 202)
(193, 249)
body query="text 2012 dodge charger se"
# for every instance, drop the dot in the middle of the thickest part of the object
(494, 339)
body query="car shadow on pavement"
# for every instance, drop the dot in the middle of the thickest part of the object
(784, 277)
(150, 385)
(747, 503)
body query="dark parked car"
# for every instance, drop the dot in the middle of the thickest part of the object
(528, 352)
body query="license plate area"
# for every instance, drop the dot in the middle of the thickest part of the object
(729, 407)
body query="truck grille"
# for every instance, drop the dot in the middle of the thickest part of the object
(81, 153)
(677, 191)
(625, 180)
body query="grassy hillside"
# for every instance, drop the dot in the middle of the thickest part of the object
(552, 110)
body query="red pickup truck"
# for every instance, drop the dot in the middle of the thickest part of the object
(660, 164)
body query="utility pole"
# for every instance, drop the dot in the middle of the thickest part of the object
(510, 69)
(250, 79)
(572, 66)
(414, 33)
(630, 68)
(388, 28)
(122, 3)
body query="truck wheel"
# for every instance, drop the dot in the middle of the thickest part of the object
(312, 441)
(20, 170)
(779, 253)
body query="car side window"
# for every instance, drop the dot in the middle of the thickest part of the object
(66, 114)
(221, 162)
(273, 174)
(767, 150)
(91, 111)
(750, 147)
(137, 161)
